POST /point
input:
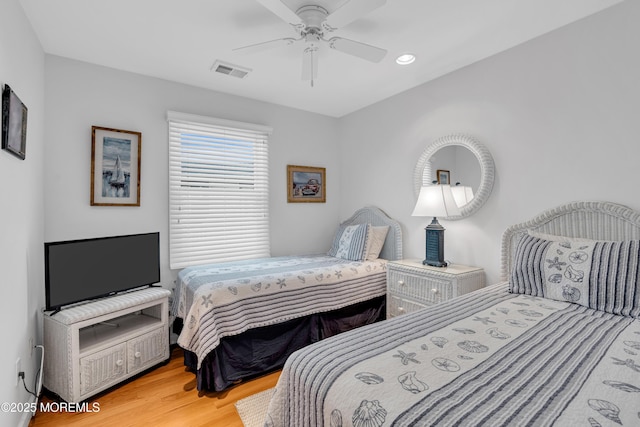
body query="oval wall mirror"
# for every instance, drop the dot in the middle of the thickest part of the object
(457, 159)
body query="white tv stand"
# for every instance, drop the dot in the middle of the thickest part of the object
(93, 346)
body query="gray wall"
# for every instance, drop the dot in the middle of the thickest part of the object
(21, 212)
(559, 115)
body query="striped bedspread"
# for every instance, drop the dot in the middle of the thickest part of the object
(490, 358)
(227, 299)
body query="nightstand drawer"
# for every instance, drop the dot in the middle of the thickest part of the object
(398, 306)
(426, 289)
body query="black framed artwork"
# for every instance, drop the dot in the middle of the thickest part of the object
(14, 123)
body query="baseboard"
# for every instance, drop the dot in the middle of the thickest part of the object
(26, 416)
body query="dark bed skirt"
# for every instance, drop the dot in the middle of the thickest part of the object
(262, 350)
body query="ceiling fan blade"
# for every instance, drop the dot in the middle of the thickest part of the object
(310, 64)
(281, 10)
(351, 11)
(361, 50)
(259, 47)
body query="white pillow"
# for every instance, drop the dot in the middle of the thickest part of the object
(375, 241)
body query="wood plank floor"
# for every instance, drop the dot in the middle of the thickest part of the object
(166, 396)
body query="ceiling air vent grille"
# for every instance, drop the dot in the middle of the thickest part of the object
(230, 69)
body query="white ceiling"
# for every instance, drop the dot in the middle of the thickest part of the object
(179, 40)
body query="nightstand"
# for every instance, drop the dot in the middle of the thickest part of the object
(412, 285)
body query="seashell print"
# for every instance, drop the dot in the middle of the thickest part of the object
(336, 418)
(503, 310)
(233, 290)
(556, 263)
(369, 378)
(369, 414)
(578, 257)
(516, 323)
(439, 341)
(446, 365)
(559, 252)
(524, 304)
(473, 346)
(424, 347)
(409, 382)
(546, 307)
(301, 279)
(583, 247)
(530, 313)
(593, 422)
(633, 344)
(464, 331)
(576, 276)
(606, 409)
(495, 333)
(256, 287)
(464, 357)
(633, 353)
(319, 277)
(570, 293)
(565, 245)
(555, 278)
(405, 358)
(192, 322)
(623, 386)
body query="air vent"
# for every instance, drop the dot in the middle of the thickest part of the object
(230, 69)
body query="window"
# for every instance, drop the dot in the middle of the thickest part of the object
(218, 190)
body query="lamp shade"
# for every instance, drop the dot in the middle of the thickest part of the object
(436, 200)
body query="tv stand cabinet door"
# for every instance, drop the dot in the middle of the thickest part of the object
(102, 369)
(147, 350)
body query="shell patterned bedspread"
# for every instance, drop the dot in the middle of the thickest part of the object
(490, 358)
(226, 299)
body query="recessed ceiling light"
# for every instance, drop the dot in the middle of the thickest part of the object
(405, 59)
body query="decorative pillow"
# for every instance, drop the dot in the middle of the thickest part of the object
(599, 275)
(375, 241)
(350, 242)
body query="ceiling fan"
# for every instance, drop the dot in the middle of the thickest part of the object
(312, 24)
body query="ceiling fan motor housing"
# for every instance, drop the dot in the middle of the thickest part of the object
(313, 16)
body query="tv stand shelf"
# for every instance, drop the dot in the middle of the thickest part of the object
(94, 346)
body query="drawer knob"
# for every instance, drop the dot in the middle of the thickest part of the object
(119, 362)
(434, 290)
(401, 282)
(137, 354)
(401, 309)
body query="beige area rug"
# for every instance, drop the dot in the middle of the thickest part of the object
(253, 409)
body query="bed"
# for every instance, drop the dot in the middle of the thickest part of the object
(243, 319)
(556, 343)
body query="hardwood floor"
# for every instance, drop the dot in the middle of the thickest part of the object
(166, 396)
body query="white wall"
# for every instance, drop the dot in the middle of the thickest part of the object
(21, 212)
(80, 95)
(559, 115)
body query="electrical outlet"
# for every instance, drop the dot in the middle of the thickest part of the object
(18, 370)
(31, 347)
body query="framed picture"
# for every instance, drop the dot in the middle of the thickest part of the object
(444, 177)
(115, 167)
(306, 184)
(14, 124)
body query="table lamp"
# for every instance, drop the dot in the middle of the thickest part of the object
(435, 200)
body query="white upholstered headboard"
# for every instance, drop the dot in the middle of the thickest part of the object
(591, 220)
(392, 249)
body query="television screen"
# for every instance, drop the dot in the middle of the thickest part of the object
(79, 270)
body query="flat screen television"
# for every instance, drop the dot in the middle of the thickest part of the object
(80, 270)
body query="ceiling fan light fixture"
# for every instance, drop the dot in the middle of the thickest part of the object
(405, 59)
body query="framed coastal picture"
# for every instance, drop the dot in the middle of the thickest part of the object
(115, 167)
(306, 184)
(444, 177)
(14, 124)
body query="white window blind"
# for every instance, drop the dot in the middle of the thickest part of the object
(218, 190)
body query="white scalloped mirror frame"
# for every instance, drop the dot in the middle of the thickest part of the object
(487, 170)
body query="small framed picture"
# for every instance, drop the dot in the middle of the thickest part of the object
(443, 176)
(115, 167)
(14, 124)
(306, 184)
